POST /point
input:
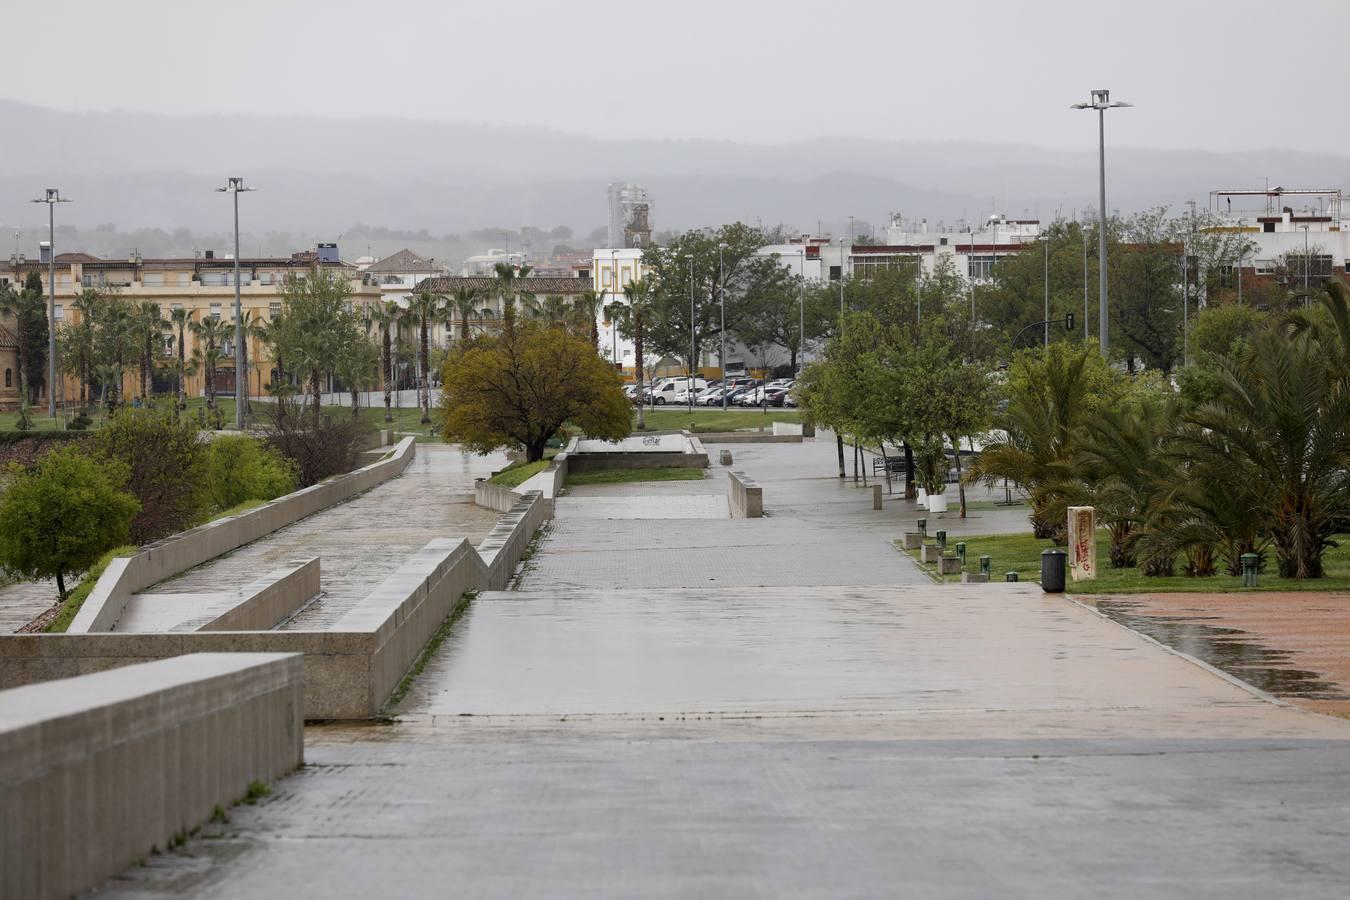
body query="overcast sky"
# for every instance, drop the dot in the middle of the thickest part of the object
(1211, 74)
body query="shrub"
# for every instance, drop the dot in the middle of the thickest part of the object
(61, 515)
(167, 465)
(319, 446)
(240, 468)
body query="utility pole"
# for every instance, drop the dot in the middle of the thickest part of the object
(53, 197)
(236, 187)
(722, 296)
(1101, 102)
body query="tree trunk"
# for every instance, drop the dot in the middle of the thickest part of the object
(535, 451)
(426, 377)
(637, 359)
(839, 445)
(960, 484)
(315, 394)
(387, 376)
(1121, 555)
(61, 585)
(463, 328)
(182, 370)
(910, 493)
(356, 402)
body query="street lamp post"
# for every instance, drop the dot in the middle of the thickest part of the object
(722, 296)
(1305, 264)
(236, 187)
(1101, 102)
(1047, 291)
(689, 387)
(53, 197)
(801, 312)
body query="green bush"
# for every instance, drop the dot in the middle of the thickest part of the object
(71, 607)
(240, 468)
(60, 516)
(167, 462)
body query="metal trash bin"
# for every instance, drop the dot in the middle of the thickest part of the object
(923, 526)
(986, 565)
(1251, 567)
(1053, 563)
(941, 538)
(1009, 576)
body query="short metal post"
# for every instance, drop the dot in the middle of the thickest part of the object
(961, 551)
(923, 527)
(1010, 576)
(986, 565)
(941, 538)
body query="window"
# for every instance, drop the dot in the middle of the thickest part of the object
(273, 311)
(835, 273)
(1314, 265)
(1265, 266)
(943, 242)
(1268, 227)
(9, 378)
(57, 312)
(214, 279)
(215, 311)
(864, 266)
(980, 268)
(152, 279)
(175, 306)
(87, 281)
(1227, 276)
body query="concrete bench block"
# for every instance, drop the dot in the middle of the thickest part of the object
(974, 578)
(949, 565)
(930, 554)
(913, 540)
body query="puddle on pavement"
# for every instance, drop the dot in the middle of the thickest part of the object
(1230, 650)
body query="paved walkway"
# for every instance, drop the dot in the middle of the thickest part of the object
(359, 542)
(860, 734)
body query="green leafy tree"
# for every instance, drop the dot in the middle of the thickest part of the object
(632, 316)
(180, 320)
(59, 517)
(150, 326)
(165, 463)
(425, 307)
(386, 315)
(317, 320)
(516, 390)
(211, 332)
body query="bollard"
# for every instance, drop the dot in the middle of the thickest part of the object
(1052, 570)
(1010, 576)
(961, 551)
(941, 538)
(876, 496)
(1251, 565)
(986, 565)
(725, 458)
(923, 527)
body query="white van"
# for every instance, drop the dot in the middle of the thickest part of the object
(666, 389)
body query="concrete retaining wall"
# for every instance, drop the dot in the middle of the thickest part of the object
(171, 556)
(549, 483)
(96, 771)
(744, 496)
(350, 669)
(606, 462)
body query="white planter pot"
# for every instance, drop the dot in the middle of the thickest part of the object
(922, 498)
(937, 503)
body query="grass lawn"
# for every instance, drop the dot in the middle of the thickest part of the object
(626, 476)
(1022, 553)
(518, 472)
(669, 418)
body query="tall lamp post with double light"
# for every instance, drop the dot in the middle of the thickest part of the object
(236, 187)
(722, 296)
(801, 311)
(1101, 102)
(689, 387)
(53, 197)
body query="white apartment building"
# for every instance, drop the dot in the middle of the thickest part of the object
(1286, 228)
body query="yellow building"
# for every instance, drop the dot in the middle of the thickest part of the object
(203, 284)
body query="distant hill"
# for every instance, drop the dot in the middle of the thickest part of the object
(319, 174)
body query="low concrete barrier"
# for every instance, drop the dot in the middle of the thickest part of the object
(749, 437)
(548, 483)
(169, 557)
(264, 603)
(787, 429)
(350, 669)
(98, 770)
(744, 496)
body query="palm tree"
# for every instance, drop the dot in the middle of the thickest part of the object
(555, 310)
(464, 302)
(386, 315)
(588, 307)
(510, 286)
(630, 316)
(254, 328)
(211, 332)
(116, 340)
(180, 320)
(424, 307)
(1279, 432)
(1046, 411)
(87, 304)
(150, 325)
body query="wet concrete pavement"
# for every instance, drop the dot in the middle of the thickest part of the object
(359, 542)
(595, 735)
